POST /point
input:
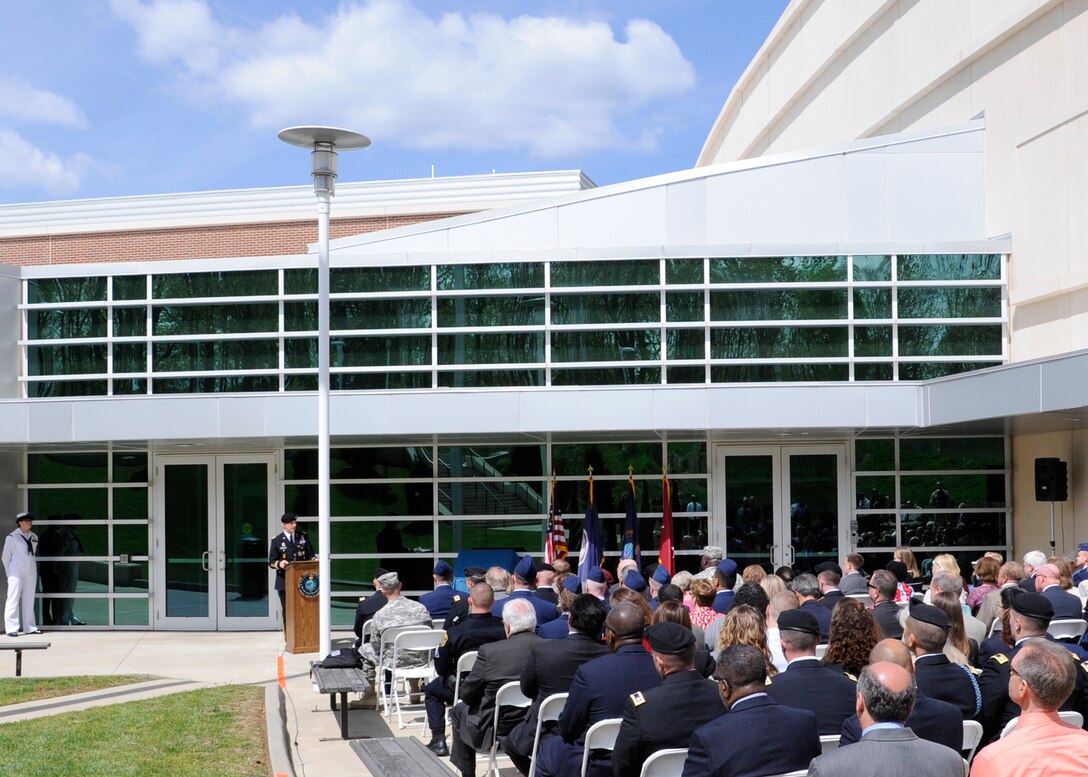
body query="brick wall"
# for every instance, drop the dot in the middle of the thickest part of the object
(210, 242)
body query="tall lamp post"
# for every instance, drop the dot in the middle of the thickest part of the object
(324, 141)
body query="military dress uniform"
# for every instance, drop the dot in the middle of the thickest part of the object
(466, 636)
(939, 678)
(665, 716)
(283, 548)
(439, 601)
(21, 569)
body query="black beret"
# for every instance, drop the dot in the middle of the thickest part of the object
(927, 613)
(829, 566)
(669, 638)
(1027, 603)
(288, 517)
(798, 620)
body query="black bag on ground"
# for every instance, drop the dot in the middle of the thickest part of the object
(344, 658)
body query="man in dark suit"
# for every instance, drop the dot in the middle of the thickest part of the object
(459, 607)
(369, 605)
(545, 584)
(931, 719)
(497, 663)
(757, 736)
(665, 716)
(882, 588)
(599, 690)
(1048, 583)
(807, 684)
(854, 581)
(828, 576)
(925, 633)
(1029, 615)
(550, 668)
(478, 628)
(807, 590)
(1033, 559)
(886, 695)
(439, 600)
(725, 578)
(287, 546)
(524, 580)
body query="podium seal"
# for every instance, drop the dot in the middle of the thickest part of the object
(308, 585)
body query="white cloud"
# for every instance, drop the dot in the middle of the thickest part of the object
(477, 81)
(23, 165)
(20, 101)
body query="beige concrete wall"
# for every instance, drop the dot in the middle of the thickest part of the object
(837, 70)
(1031, 519)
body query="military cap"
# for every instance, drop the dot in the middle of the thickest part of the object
(634, 580)
(573, 584)
(798, 620)
(713, 551)
(661, 575)
(526, 569)
(669, 638)
(288, 517)
(595, 574)
(471, 572)
(1083, 546)
(23, 517)
(727, 566)
(1027, 603)
(389, 580)
(829, 566)
(927, 613)
(379, 572)
(443, 569)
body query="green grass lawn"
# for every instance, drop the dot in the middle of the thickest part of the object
(204, 733)
(15, 690)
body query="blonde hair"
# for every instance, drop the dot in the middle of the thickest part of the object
(753, 573)
(744, 625)
(704, 592)
(772, 584)
(945, 562)
(906, 555)
(682, 580)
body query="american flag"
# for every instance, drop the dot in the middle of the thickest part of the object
(555, 544)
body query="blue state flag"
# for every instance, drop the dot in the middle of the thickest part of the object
(631, 548)
(591, 553)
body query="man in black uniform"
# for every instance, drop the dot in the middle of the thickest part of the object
(807, 684)
(287, 546)
(925, 634)
(477, 628)
(459, 607)
(550, 669)
(1028, 620)
(369, 605)
(665, 716)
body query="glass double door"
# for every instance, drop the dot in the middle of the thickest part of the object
(782, 505)
(213, 519)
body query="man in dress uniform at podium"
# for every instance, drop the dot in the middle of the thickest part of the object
(287, 546)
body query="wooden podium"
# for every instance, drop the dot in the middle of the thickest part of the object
(303, 613)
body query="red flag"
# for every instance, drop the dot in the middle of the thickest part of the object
(665, 557)
(555, 544)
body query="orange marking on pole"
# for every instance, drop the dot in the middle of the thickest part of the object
(280, 676)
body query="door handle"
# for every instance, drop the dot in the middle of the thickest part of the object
(774, 556)
(792, 555)
(204, 560)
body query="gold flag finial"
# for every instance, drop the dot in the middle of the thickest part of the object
(590, 470)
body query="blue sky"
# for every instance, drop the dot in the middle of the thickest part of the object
(106, 98)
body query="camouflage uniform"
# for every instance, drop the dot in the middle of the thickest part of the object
(400, 611)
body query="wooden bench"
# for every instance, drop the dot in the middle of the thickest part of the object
(339, 681)
(399, 757)
(19, 647)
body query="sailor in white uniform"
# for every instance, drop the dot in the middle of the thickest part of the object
(20, 549)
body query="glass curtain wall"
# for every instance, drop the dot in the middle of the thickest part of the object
(92, 519)
(689, 321)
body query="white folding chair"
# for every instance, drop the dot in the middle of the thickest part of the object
(364, 632)
(1066, 716)
(829, 742)
(665, 763)
(550, 709)
(509, 695)
(464, 665)
(1067, 628)
(863, 598)
(415, 642)
(384, 644)
(601, 736)
(796, 773)
(972, 735)
(821, 650)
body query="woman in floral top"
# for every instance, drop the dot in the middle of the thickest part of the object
(986, 571)
(702, 611)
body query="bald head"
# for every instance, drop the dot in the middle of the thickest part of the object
(886, 692)
(1047, 575)
(891, 651)
(625, 621)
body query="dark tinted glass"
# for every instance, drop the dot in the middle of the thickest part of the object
(949, 340)
(872, 341)
(606, 308)
(779, 373)
(928, 371)
(71, 503)
(606, 459)
(129, 467)
(773, 342)
(621, 273)
(363, 499)
(872, 268)
(130, 539)
(67, 360)
(215, 356)
(678, 375)
(127, 287)
(949, 267)
(502, 348)
(683, 271)
(874, 455)
(129, 322)
(952, 491)
(479, 498)
(240, 283)
(382, 350)
(491, 461)
(67, 388)
(521, 310)
(876, 530)
(67, 323)
(490, 378)
(685, 343)
(66, 468)
(952, 453)
(774, 305)
(931, 302)
(687, 457)
(606, 376)
(66, 290)
(130, 503)
(684, 306)
(875, 492)
(617, 345)
(778, 269)
(512, 275)
(358, 280)
(872, 303)
(214, 319)
(215, 385)
(872, 372)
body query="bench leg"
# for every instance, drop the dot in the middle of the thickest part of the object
(343, 715)
(332, 702)
(18, 662)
